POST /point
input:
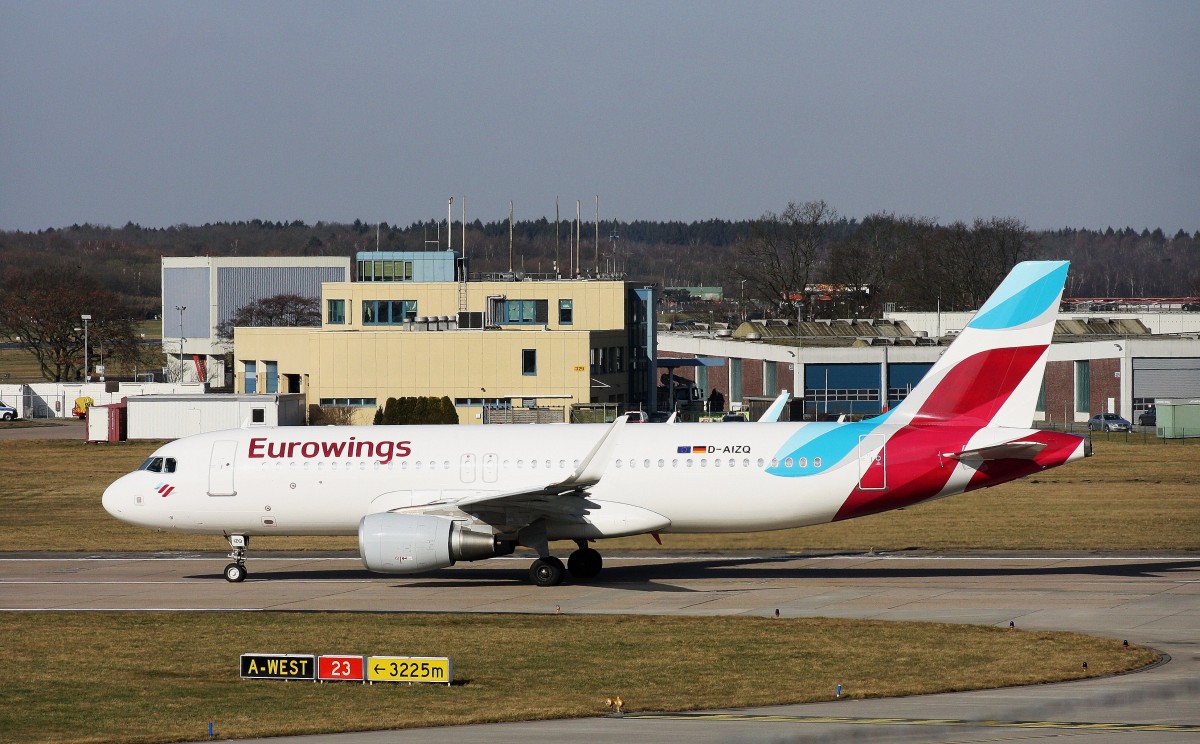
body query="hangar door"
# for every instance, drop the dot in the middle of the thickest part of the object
(1165, 377)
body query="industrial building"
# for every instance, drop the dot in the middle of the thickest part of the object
(845, 366)
(201, 293)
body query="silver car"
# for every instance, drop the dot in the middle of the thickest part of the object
(1108, 422)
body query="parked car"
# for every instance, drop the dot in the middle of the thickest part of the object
(7, 412)
(1108, 422)
(1149, 417)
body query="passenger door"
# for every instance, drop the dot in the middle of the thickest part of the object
(220, 468)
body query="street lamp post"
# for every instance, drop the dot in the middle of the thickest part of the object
(87, 365)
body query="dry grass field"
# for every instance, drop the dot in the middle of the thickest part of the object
(146, 677)
(1133, 495)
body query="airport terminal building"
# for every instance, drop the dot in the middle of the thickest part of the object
(515, 350)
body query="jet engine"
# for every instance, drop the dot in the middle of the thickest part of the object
(411, 543)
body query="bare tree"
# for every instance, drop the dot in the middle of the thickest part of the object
(783, 254)
(279, 311)
(42, 310)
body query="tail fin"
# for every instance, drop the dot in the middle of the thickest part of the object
(992, 373)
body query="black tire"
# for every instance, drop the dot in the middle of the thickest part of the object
(235, 573)
(547, 571)
(585, 563)
(9, 416)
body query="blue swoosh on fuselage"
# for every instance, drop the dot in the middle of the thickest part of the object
(819, 447)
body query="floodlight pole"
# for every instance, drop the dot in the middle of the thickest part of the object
(87, 367)
(181, 308)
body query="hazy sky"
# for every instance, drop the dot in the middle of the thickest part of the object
(1083, 114)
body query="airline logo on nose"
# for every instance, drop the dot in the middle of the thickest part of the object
(164, 489)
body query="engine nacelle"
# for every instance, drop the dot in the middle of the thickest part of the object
(411, 543)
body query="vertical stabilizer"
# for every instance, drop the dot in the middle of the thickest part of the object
(991, 375)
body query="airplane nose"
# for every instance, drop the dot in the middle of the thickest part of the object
(111, 500)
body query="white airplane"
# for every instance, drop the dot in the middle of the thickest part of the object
(425, 497)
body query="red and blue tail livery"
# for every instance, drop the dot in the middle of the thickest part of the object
(422, 498)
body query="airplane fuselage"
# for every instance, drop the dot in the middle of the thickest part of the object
(662, 477)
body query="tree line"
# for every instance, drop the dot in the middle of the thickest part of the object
(909, 260)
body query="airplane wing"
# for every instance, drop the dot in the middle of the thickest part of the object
(588, 474)
(776, 408)
(1005, 451)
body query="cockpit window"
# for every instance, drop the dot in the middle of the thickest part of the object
(159, 465)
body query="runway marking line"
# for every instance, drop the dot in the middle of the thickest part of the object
(960, 723)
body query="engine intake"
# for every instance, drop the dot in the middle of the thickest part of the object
(410, 543)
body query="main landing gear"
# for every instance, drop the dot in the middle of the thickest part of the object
(236, 572)
(584, 563)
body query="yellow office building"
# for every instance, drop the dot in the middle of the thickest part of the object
(496, 348)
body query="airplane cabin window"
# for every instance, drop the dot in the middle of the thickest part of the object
(760, 462)
(154, 465)
(716, 462)
(746, 463)
(787, 463)
(169, 465)
(660, 463)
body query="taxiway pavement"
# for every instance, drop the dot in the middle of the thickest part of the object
(1148, 600)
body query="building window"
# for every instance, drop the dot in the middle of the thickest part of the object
(525, 312)
(385, 271)
(258, 415)
(483, 402)
(735, 380)
(388, 312)
(1041, 401)
(566, 312)
(770, 379)
(529, 361)
(272, 377)
(251, 374)
(1083, 386)
(335, 313)
(349, 402)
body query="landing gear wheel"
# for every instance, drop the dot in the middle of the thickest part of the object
(548, 571)
(585, 563)
(235, 573)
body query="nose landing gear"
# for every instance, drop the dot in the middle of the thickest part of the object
(236, 572)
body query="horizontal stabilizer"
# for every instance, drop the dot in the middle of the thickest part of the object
(1006, 451)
